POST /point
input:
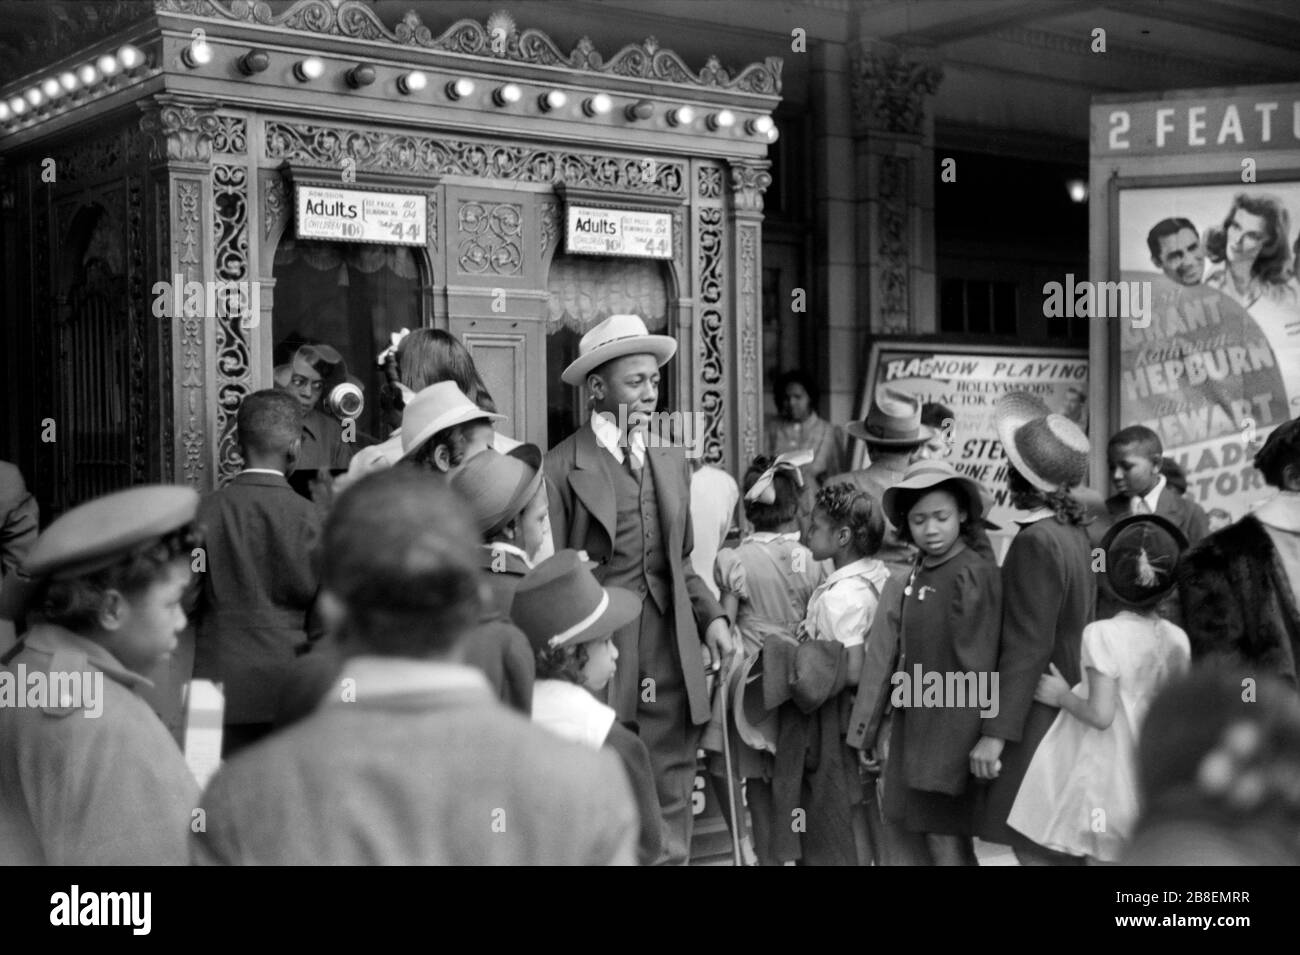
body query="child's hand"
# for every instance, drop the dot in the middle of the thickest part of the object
(1052, 687)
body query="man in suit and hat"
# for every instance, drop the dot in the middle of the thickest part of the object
(411, 760)
(89, 775)
(625, 500)
(19, 520)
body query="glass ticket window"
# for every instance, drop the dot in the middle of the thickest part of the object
(584, 291)
(352, 298)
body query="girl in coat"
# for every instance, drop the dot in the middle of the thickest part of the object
(765, 584)
(1079, 795)
(948, 624)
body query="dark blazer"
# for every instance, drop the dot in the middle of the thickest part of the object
(428, 777)
(1049, 593)
(256, 593)
(583, 517)
(1185, 514)
(1238, 608)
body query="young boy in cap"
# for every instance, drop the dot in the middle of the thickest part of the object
(507, 503)
(570, 621)
(88, 773)
(412, 761)
(260, 582)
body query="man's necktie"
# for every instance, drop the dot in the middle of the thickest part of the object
(1140, 506)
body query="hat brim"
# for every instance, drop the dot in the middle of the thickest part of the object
(518, 501)
(624, 607)
(756, 725)
(460, 417)
(1011, 413)
(976, 504)
(856, 429)
(662, 347)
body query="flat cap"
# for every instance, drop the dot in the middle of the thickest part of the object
(94, 535)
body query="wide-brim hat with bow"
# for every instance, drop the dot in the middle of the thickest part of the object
(435, 408)
(615, 337)
(894, 419)
(923, 475)
(560, 603)
(1142, 552)
(1049, 449)
(496, 487)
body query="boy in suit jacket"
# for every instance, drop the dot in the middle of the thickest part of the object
(625, 500)
(259, 584)
(419, 764)
(1135, 457)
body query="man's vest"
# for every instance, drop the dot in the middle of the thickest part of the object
(638, 561)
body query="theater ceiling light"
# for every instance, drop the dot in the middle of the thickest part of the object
(1078, 190)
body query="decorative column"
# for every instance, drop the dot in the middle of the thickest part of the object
(894, 158)
(180, 135)
(749, 180)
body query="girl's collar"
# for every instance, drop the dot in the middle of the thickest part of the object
(929, 562)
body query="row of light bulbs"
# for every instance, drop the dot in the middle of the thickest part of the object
(310, 68)
(126, 60)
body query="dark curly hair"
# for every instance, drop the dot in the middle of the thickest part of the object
(1273, 264)
(768, 517)
(848, 507)
(1281, 448)
(562, 663)
(1067, 508)
(907, 500)
(76, 603)
(804, 381)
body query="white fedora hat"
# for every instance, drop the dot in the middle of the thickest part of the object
(1049, 449)
(439, 406)
(615, 337)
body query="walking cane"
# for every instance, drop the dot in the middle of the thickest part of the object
(736, 809)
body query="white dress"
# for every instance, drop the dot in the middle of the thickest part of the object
(1079, 794)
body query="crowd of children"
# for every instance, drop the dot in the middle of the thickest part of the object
(419, 651)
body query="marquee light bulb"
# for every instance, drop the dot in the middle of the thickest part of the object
(459, 89)
(681, 116)
(723, 119)
(130, 56)
(68, 80)
(312, 68)
(34, 96)
(17, 106)
(412, 82)
(597, 105)
(554, 99)
(87, 74)
(197, 54)
(5, 112)
(505, 95)
(51, 88)
(108, 65)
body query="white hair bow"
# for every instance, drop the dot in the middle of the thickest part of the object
(763, 492)
(395, 339)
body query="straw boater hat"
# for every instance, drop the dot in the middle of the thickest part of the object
(559, 603)
(496, 487)
(893, 419)
(1049, 449)
(615, 337)
(927, 474)
(1142, 551)
(439, 406)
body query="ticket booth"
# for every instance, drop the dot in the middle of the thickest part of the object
(196, 191)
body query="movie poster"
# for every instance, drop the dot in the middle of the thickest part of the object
(1218, 365)
(968, 380)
